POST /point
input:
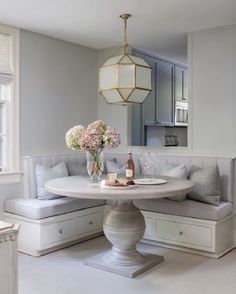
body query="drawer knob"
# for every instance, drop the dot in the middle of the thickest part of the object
(91, 223)
(181, 233)
(60, 231)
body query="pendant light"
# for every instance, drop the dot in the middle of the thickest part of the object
(125, 79)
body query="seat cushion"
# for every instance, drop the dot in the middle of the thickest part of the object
(38, 209)
(187, 208)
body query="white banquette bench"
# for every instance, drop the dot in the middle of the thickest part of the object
(189, 225)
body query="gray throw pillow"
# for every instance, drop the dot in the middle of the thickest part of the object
(176, 172)
(75, 169)
(44, 174)
(206, 185)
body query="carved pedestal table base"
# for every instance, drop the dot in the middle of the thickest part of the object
(124, 226)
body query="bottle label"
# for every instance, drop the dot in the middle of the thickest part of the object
(129, 173)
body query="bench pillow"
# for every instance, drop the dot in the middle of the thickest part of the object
(44, 174)
(176, 172)
(206, 185)
(75, 169)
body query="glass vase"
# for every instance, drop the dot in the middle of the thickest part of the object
(95, 165)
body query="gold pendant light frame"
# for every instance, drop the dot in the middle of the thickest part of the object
(131, 62)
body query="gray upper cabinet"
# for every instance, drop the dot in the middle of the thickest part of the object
(149, 105)
(181, 82)
(165, 92)
(136, 125)
(169, 83)
(158, 107)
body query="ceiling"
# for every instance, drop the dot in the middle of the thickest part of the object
(159, 26)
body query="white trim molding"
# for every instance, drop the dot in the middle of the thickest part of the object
(10, 177)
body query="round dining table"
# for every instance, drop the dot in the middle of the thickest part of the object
(123, 224)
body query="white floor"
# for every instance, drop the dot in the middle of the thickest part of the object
(63, 272)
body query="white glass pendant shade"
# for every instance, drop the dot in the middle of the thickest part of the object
(126, 76)
(125, 79)
(138, 95)
(108, 77)
(143, 77)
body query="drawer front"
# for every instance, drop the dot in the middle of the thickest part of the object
(89, 223)
(57, 231)
(183, 234)
(72, 228)
(149, 228)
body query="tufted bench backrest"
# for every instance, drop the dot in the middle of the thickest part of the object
(225, 165)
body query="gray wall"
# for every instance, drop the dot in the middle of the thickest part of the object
(115, 115)
(212, 95)
(58, 89)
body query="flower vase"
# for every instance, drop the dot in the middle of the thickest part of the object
(95, 165)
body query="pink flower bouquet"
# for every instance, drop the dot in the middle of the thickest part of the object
(97, 136)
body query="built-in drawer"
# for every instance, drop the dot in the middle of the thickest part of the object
(149, 228)
(55, 232)
(76, 227)
(184, 234)
(89, 223)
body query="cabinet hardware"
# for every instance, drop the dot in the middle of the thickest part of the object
(60, 231)
(91, 223)
(181, 233)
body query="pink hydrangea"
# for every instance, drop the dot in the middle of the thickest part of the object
(98, 135)
(111, 138)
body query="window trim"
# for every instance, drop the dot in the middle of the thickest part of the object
(12, 175)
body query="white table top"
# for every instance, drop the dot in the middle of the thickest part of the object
(78, 187)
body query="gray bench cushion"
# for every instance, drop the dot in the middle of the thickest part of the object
(39, 209)
(187, 208)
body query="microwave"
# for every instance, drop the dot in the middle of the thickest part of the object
(181, 113)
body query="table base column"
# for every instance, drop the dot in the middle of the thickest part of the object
(124, 226)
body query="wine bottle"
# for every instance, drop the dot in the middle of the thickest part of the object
(130, 168)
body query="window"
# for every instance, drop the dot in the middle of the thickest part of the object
(9, 102)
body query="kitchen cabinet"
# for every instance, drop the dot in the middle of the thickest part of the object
(143, 114)
(169, 83)
(148, 108)
(164, 93)
(158, 107)
(181, 83)
(136, 125)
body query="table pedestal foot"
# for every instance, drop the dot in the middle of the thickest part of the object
(100, 261)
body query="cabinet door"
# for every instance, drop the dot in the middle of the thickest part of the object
(164, 92)
(181, 83)
(149, 104)
(185, 84)
(136, 125)
(178, 83)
